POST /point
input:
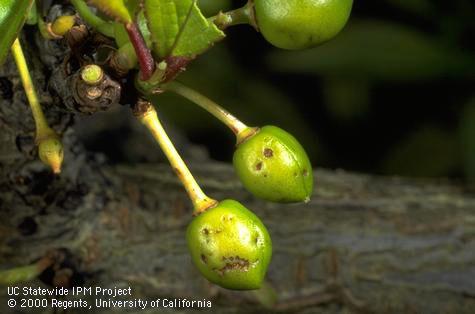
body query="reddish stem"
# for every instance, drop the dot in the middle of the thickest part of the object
(144, 56)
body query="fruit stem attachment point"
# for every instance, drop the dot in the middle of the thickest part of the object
(92, 74)
(245, 134)
(238, 128)
(50, 147)
(243, 15)
(147, 115)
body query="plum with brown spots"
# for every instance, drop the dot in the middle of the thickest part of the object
(273, 166)
(230, 246)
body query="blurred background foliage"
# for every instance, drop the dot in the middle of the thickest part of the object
(393, 94)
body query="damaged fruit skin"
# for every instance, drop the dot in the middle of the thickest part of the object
(230, 246)
(273, 166)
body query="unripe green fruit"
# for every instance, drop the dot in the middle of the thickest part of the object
(230, 246)
(51, 152)
(273, 166)
(299, 24)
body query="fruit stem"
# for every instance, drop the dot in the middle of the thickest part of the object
(22, 66)
(44, 133)
(241, 130)
(148, 116)
(144, 55)
(93, 20)
(243, 15)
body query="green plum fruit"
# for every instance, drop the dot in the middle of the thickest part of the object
(300, 24)
(273, 166)
(230, 246)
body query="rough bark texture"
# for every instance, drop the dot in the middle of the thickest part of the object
(363, 244)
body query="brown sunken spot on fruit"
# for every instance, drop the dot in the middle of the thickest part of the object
(203, 258)
(305, 172)
(259, 166)
(233, 264)
(268, 152)
(205, 231)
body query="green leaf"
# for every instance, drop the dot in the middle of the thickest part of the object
(116, 9)
(13, 14)
(178, 28)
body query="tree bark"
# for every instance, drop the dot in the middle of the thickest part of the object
(363, 244)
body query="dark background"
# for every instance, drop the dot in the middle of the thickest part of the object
(393, 94)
